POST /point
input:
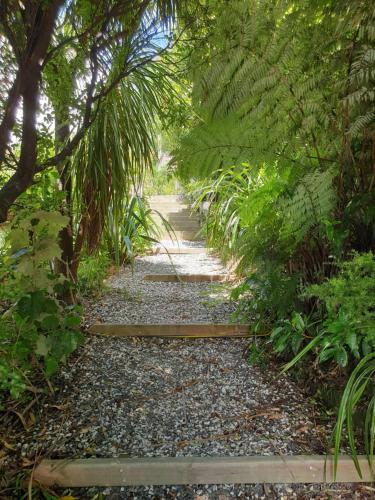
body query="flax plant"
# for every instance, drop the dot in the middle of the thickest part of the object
(110, 163)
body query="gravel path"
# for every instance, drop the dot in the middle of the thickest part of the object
(171, 397)
(133, 300)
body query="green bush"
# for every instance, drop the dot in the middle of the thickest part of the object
(92, 271)
(348, 302)
(136, 231)
(345, 326)
(346, 336)
(160, 181)
(266, 296)
(38, 330)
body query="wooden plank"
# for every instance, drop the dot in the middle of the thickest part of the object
(184, 227)
(186, 278)
(166, 207)
(171, 198)
(180, 250)
(171, 330)
(197, 470)
(180, 235)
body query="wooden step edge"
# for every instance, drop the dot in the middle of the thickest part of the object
(176, 225)
(187, 278)
(183, 217)
(179, 330)
(284, 469)
(180, 250)
(181, 235)
(168, 197)
(169, 206)
(170, 240)
(179, 229)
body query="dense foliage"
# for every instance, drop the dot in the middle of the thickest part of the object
(86, 93)
(37, 331)
(278, 140)
(282, 148)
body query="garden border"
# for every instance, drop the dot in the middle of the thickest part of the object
(193, 330)
(281, 469)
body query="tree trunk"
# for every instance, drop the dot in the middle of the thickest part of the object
(9, 118)
(27, 86)
(24, 174)
(62, 133)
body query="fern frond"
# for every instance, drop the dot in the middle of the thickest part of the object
(311, 202)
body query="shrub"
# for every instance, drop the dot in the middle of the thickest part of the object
(348, 302)
(92, 271)
(347, 332)
(266, 296)
(37, 326)
(160, 181)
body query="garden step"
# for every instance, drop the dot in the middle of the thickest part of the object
(177, 222)
(186, 278)
(180, 250)
(166, 198)
(176, 216)
(171, 208)
(185, 227)
(181, 235)
(171, 330)
(269, 469)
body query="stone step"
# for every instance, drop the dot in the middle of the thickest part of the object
(177, 217)
(186, 227)
(181, 217)
(185, 222)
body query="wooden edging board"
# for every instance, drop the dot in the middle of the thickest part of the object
(171, 330)
(180, 250)
(186, 278)
(198, 470)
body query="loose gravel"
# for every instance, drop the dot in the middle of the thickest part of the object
(132, 299)
(135, 397)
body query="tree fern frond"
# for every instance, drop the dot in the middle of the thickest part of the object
(312, 202)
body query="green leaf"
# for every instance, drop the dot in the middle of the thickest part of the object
(50, 322)
(72, 321)
(352, 341)
(341, 356)
(297, 322)
(47, 249)
(327, 354)
(32, 305)
(42, 346)
(19, 239)
(51, 365)
(50, 306)
(276, 331)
